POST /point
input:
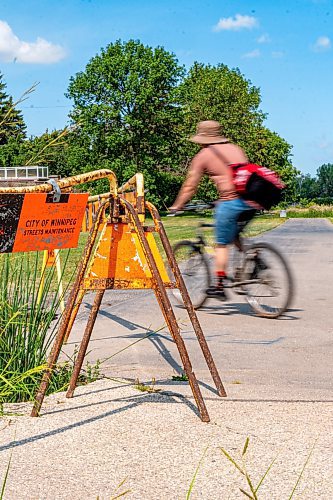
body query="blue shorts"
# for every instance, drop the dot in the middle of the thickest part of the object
(226, 219)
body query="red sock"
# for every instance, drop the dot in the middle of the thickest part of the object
(219, 278)
(220, 274)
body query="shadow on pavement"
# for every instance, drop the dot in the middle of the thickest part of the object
(132, 400)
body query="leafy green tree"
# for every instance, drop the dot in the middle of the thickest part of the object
(223, 94)
(12, 153)
(48, 149)
(127, 111)
(11, 120)
(325, 180)
(307, 187)
(135, 107)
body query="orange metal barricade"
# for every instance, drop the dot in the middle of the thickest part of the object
(121, 253)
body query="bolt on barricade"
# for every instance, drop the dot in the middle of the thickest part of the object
(132, 191)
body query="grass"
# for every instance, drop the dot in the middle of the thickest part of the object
(72, 257)
(28, 323)
(253, 489)
(5, 479)
(185, 227)
(180, 378)
(189, 491)
(140, 386)
(314, 211)
(241, 466)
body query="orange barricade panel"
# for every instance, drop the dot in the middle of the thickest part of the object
(119, 260)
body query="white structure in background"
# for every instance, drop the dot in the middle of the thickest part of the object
(32, 172)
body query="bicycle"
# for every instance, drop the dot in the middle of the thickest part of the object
(259, 271)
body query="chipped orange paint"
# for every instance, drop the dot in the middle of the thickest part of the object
(119, 260)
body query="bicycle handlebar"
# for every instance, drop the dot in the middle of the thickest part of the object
(192, 207)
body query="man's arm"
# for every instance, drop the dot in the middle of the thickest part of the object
(190, 184)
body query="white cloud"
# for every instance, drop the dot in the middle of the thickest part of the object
(251, 55)
(236, 23)
(40, 52)
(322, 43)
(265, 38)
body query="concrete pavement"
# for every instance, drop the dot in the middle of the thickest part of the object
(290, 355)
(278, 375)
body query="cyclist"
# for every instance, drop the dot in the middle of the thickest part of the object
(216, 154)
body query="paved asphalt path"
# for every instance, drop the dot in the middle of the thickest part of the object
(290, 357)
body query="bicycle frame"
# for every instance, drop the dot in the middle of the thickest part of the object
(201, 243)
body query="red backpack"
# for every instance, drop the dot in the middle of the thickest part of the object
(255, 183)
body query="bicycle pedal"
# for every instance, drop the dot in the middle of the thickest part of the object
(216, 294)
(221, 298)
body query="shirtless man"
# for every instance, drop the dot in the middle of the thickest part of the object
(214, 158)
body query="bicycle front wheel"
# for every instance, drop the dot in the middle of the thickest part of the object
(271, 290)
(194, 267)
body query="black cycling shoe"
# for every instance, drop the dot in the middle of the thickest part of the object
(238, 274)
(216, 292)
(259, 265)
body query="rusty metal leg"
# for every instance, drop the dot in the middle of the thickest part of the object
(187, 302)
(175, 332)
(168, 313)
(53, 358)
(84, 343)
(67, 313)
(74, 314)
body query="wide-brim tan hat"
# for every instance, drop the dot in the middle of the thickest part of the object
(209, 132)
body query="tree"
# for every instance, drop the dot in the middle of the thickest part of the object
(11, 120)
(126, 108)
(307, 187)
(135, 107)
(223, 94)
(325, 180)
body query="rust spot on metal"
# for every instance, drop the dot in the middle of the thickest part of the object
(84, 343)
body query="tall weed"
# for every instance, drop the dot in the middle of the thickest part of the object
(27, 323)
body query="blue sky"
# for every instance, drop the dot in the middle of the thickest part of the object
(283, 47)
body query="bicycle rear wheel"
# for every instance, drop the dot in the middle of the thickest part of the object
(194, 267)
(271, 292)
